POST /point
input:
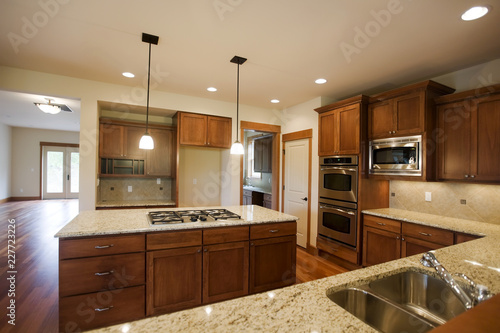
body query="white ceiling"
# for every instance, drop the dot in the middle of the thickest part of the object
(288, 44)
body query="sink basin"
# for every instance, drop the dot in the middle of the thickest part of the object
(378, 313)
(423, 294)
(404, 302)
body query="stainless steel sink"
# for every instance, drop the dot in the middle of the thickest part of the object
(408, 301)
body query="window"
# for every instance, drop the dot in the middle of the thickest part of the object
(250, 161)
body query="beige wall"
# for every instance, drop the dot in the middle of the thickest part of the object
(25, 162)
(203, 166)
(5, 158)
(482, 201)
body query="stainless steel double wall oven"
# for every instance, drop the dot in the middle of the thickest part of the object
(338, 198)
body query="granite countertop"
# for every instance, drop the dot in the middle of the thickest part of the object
(131, 203)
(256, 189)
(125, 221)
(306, 308)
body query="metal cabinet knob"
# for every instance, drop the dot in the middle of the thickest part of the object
(466, 176)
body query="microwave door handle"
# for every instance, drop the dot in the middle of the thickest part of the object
(338, 168)
(339, 210)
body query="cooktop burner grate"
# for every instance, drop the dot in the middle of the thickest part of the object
(187, 216)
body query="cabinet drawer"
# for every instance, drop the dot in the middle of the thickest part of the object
(337, 250)
(273, 230)
(224, 235)
(268, 197)
(382, 223)
(99, 246)
(170, 240)
(462, 238)
(105, 308)
(430, 234)
(247, 193)
(78, 276)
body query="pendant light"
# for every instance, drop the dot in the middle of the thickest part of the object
(237, 147)
(146, 141)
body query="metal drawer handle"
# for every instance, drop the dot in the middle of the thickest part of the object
(379, 223)
(103, 309)
(104, 246)
(275, 230)
(425, 234)
(104, 273)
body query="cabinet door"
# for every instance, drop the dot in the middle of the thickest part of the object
(219, 132)
(247, 200)
(174, 280)
(380, 119)
(193, 129)
(454, 143)
(411, 246)
(380, 246)
(485, 150)
(348, 137)
(225, 271)
(327, 133)
(111, 140)
(263, 155)
(409, 114)
(159, 161)
(132, 137)
(272, 263)
(258, 147)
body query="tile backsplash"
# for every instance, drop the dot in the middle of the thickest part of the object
(464, 201)
(142, 189)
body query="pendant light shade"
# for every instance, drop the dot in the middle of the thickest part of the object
(237, 147)
(146, 141)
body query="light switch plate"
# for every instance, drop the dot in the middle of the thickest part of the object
(130, 188)
(158, 181)
(195, 181)
(428, 196)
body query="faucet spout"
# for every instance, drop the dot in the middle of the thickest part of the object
(429, 260)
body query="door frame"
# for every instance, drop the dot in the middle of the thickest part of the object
(275, 130)
(299, 135)
(51, 144)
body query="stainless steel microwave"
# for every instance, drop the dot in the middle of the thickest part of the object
(396, 156)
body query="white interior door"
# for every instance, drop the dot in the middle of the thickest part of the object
(60, 172)
(297, 185)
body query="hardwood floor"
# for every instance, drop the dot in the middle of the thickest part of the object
(311, 267)
(36, 250)
(36, 287)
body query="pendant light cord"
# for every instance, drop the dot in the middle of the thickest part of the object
(149, 78)
(237, 102)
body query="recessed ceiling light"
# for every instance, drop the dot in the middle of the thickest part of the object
(128, 74)
(275, 101)
(212, 89)
(320, 81)
(474, 13)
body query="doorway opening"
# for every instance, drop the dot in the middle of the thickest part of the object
(60, 165)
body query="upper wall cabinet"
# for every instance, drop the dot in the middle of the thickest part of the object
(204, 130)
(340, 126)
(469, 135)
(263, 155)
(404, 111)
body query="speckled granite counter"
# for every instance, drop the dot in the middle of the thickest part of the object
(256, 189)
(129, 203)
(305, 307)
(109, 222)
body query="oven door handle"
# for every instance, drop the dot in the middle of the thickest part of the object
(339, 210)
(338, 168)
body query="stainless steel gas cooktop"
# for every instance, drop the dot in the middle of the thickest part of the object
(189, 216)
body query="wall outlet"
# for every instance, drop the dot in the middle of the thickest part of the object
(21, 190)
(463, 201)
(158, 181)
(428, 196)
(393, 194)
(195, 181)
(130, 188)
(112, 188)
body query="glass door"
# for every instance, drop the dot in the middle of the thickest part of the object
(60, 172)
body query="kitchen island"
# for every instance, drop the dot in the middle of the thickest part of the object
(122, 265)
(306, 308)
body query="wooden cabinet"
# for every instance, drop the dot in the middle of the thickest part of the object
(469, 131)
(160, 159)
(263, 155)
(247, 197)
(268, 201)
(101, 281)
(203, 130)
(462, 237)
(111, 140)
(404, 111)
(272, 256)
(340, 126)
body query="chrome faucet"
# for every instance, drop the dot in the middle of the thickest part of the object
(474, 296)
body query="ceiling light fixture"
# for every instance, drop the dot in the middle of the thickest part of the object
(146, 140)
(237, 147)
(52, 108)
(212, 89)
(320, 81)
(128, 74)
(275, 101)
(474, 13)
